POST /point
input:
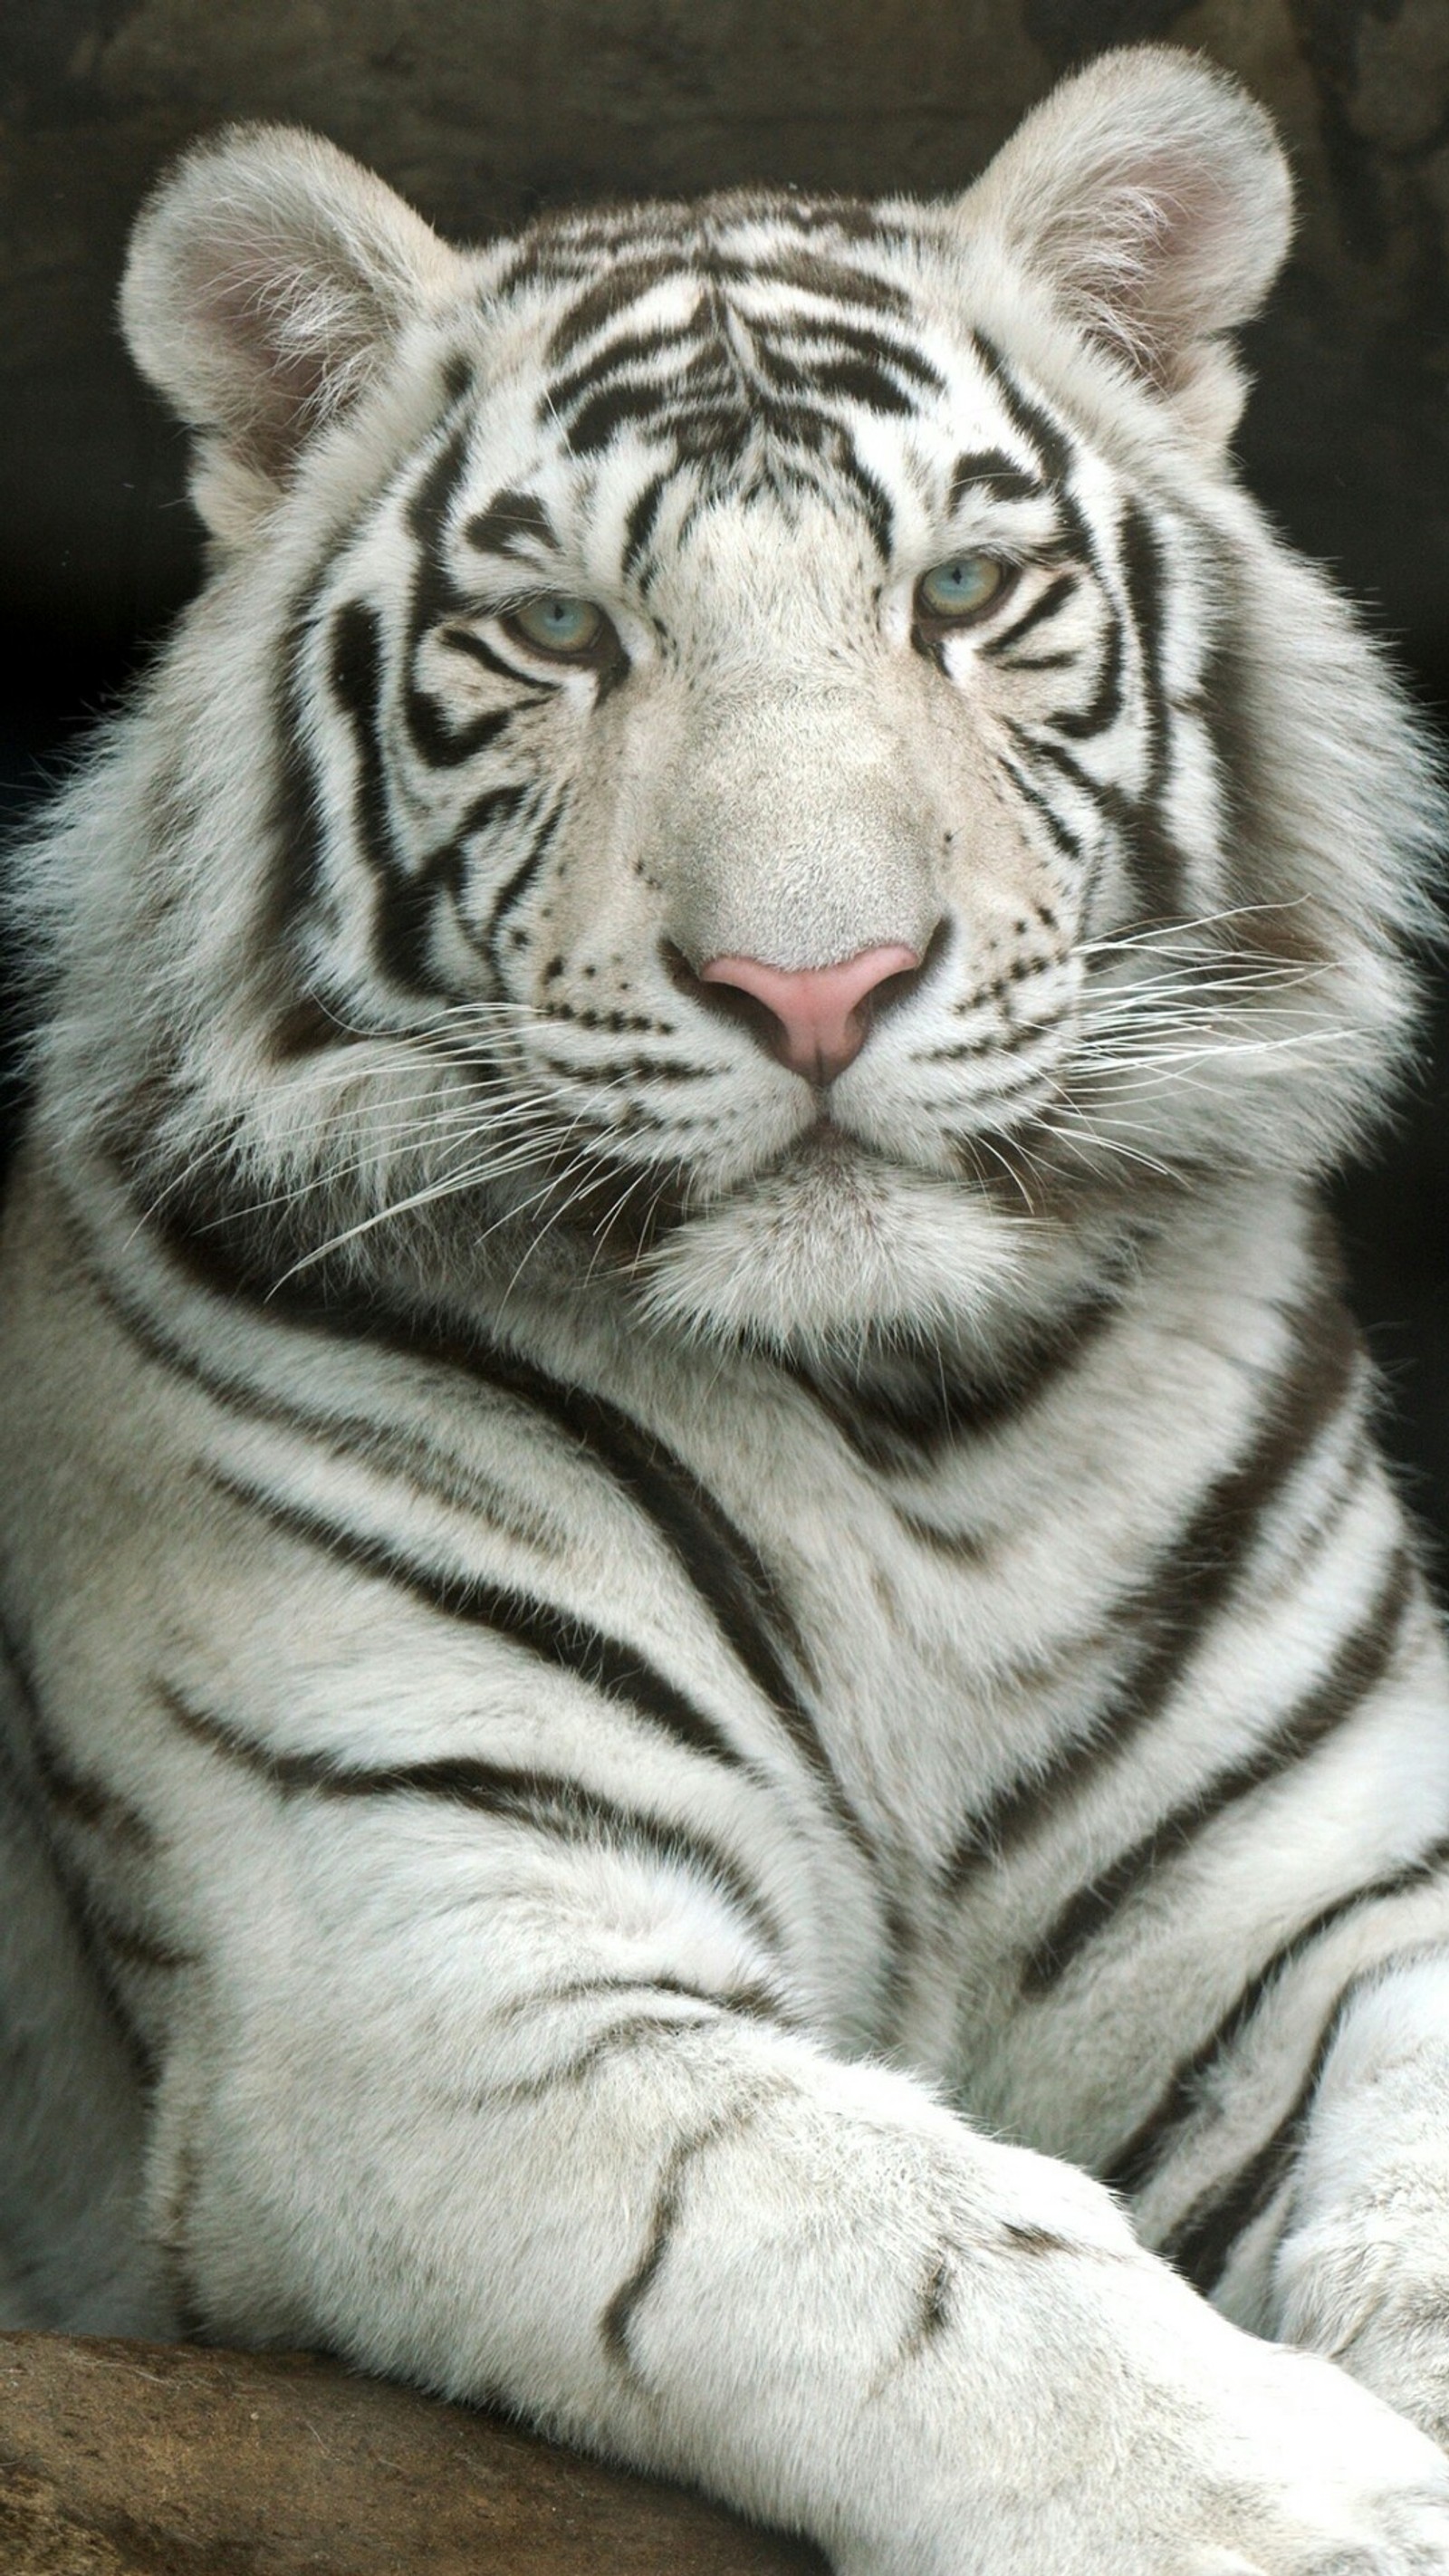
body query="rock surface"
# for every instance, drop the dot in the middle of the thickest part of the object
(133, 2459)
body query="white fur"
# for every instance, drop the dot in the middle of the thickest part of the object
(650, 1870)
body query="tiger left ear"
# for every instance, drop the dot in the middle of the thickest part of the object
(268, 279)
(1151, 196)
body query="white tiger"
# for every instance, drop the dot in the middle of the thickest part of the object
(700, 1612)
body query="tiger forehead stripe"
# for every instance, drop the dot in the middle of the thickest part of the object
(806, 267)
(508, 523)
(1051, 443)
(737, 359)
(990, 471)
(606, 296)
(721, 324)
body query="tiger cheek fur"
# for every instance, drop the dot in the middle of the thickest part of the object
(699, 1614)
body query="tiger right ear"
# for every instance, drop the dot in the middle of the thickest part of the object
(267, 278)
(1151, 197)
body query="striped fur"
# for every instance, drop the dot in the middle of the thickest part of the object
(673, 1710)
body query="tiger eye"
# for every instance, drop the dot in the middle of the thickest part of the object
(954, 592)
(574, 630)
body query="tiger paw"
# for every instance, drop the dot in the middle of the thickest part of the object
(1163, 2442)
(1370, 2287)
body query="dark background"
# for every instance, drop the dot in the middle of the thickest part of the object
(482, 111)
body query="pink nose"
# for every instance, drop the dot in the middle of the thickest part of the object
(821, 1013)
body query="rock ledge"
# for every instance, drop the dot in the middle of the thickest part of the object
(135, 2459)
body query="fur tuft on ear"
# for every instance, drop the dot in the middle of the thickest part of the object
(267, 277)
(1151, 195)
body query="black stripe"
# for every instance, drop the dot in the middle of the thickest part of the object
(874, 499)
(1201, 2245)
(510, 523)
(625, 284)
(638, 2028)
(1359, 1665)
(1192, 2083)
(77, 1796)
(751, 2002)
(879, 351)
(835, 281)
(933, 2308)
(1053, 447)
(1068, 841)
(1054, 450)
(714, 428)
(659, 350)
(1105, 794)
(640, 524)
(405, 900)
(80, 1799)
(446, 746)
(722, 1566)
(435, 596)
(1046, 604)
(136, 1949)
(512, 893)
(492, 806)
(618, 2038)
(407, 897)
(851, 380)
(650, 402)
(557, 1637)
(903, 1417)
(843, 357)
(546, 1802)
(461, 639)
(411, 908)
(619, 2315)
(1159, 864)
(992, 471)
(1106, 701)
(135, 1829)
(347, 1435)
(296, 822)
(1180, 1595)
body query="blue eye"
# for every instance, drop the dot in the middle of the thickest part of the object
(952, 592)
(574, 629)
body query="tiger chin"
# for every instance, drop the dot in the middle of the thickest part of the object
(835, 1250)
(715, 1717)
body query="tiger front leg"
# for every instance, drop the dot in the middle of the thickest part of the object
(428, 2119)
(1362, 2270)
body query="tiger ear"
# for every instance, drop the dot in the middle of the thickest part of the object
(267, 277)
(1151, 195)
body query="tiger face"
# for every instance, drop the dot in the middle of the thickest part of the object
(780, 774)
(692, 774)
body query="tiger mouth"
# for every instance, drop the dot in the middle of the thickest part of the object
(627, 1213)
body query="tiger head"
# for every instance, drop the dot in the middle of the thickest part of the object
(751, 748)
